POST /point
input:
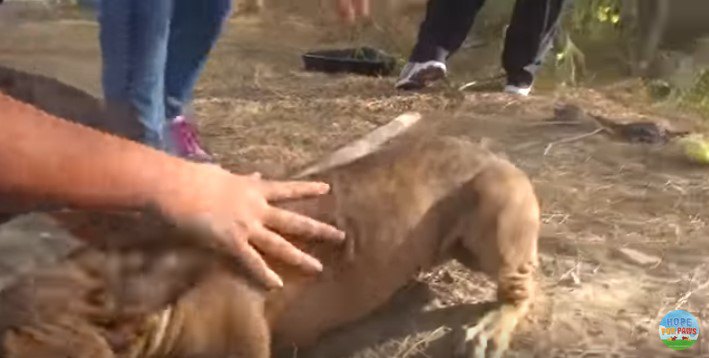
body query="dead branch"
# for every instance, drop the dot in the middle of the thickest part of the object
(571, 139)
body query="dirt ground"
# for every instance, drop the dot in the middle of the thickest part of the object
(601, 197)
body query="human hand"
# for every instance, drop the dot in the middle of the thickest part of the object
(235, 210)
(350, 10)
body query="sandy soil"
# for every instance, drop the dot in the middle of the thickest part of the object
(259, 111)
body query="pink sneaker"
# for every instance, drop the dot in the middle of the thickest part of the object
(186, 140)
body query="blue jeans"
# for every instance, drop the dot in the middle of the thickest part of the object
(153, 52)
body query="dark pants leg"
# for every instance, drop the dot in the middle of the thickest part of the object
(194, 30)
(529, 38)
(444, 29)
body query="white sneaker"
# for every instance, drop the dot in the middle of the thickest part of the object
(417, 75)
(518, 90)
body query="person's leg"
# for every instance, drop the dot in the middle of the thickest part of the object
(195, 28)
(528, 39)
(133, 36)
(351, 10)
(442, 32)
(444, 28)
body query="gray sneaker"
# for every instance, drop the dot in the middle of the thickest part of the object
(518, 90)
(417, 75)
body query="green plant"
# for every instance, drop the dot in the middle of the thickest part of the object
(697, 96)
(595, 17)
(570, 60)
(590, 20)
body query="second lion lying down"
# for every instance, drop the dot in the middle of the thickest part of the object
(147, 290)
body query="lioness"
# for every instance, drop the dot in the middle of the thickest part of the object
(148, 290)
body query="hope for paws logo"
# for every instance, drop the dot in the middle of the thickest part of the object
(679, 330)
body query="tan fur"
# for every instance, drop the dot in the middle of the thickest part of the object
(414, 204)
(146, 289)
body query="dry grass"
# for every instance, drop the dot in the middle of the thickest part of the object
(259, 111)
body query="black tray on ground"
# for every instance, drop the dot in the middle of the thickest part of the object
(362, 60)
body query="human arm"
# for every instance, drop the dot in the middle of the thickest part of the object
(46, 159)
